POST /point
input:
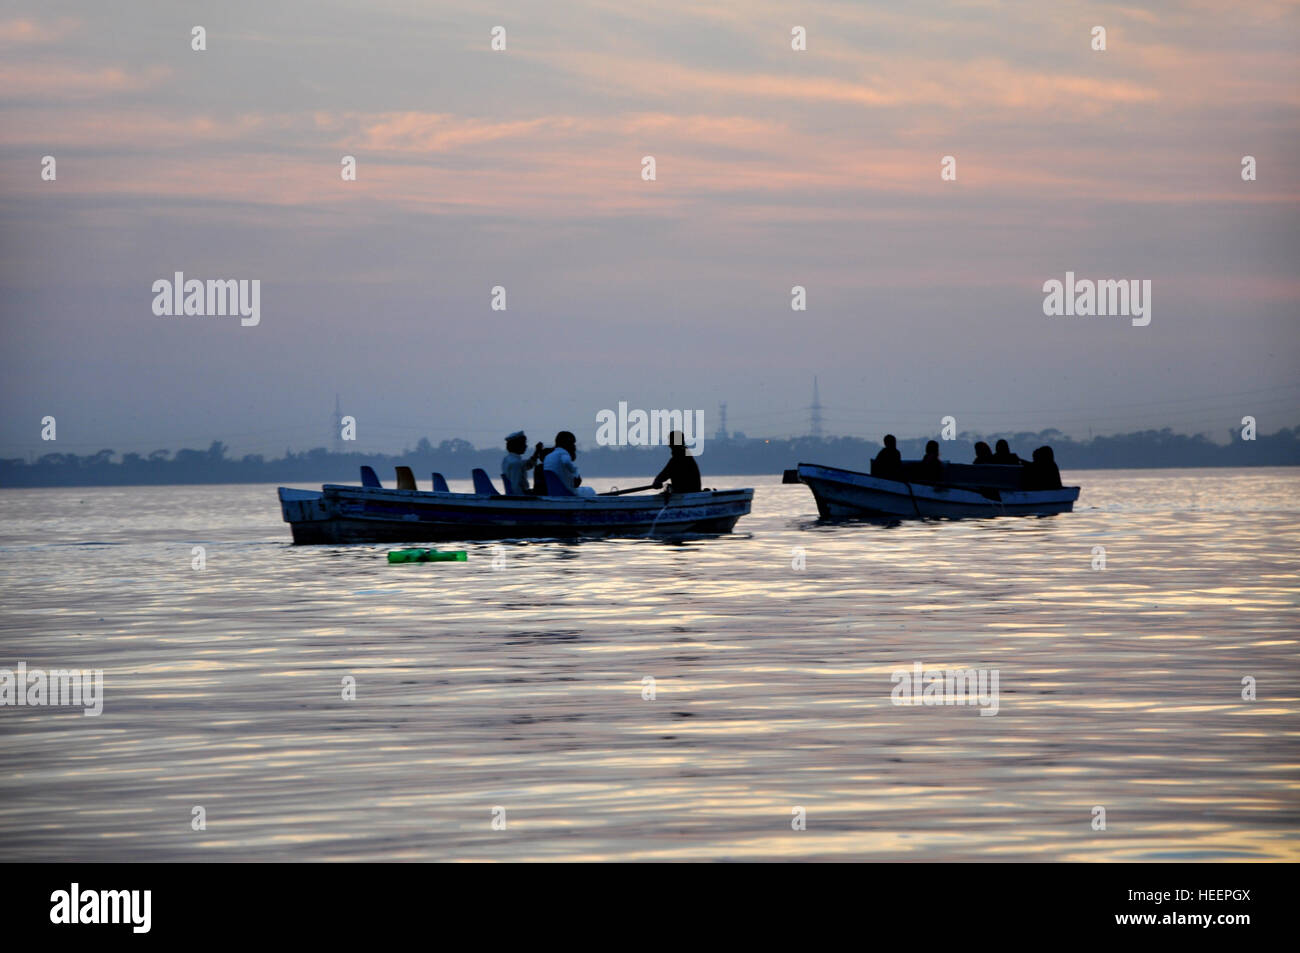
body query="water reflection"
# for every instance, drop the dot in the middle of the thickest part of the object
(524, 687)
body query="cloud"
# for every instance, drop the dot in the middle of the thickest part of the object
(97, 129)
(895, 83)
(29, 32)
(26, 84)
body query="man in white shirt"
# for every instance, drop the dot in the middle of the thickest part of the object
(560, 462)
(515, 467)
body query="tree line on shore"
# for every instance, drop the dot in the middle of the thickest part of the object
(456, 458)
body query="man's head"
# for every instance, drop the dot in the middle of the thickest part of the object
(982, 449)
(932, 448)
(1003, 447)
(517, 442)
(677, 441)
(891, 441)
(568, 441)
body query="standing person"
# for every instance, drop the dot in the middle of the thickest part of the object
(681, 470)
(514, 467)
(888, 462)
(560, 462)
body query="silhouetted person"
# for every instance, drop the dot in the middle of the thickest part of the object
(514, 467)
(889, 462)
(539, 470)
(1002, 454)
(1042, 473)
(681, 471)
(560, 462)
(982, 453)
(930, 469)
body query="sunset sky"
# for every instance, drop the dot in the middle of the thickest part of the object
(522, 168)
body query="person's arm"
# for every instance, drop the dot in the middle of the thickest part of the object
(571, 468)
(665, 474)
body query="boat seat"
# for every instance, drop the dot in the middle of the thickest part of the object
(440, 483)
(405, 479)
(997, 475)
(483, 483)
(368, 478)
(555, 486)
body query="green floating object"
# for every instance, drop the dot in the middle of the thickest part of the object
(427, 556)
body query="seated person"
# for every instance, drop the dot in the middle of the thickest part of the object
(1003, 455)
(930, 469)
(539, 471)
(560, 462)
(889, 462)
(1042, 473)
(681, 471)
(982, 453)
(514, 468)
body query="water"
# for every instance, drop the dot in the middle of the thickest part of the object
(522, 688)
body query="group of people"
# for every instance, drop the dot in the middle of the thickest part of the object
(1001, 456)
(1040, 474)
(557, 459)
(681, 470)
(683, 473)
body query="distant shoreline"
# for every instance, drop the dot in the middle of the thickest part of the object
(422, 481)
(389, 481)
(740, 456)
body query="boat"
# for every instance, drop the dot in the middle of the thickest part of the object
(371, 513)
(967, 490)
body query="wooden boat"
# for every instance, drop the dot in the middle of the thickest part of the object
(966, 491)
(372, 514)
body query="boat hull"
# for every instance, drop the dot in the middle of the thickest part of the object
(350, 514)
(846, 494)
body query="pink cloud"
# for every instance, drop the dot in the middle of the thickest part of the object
(909, 82)
(570, 165)
(74, 83)
(28, 32)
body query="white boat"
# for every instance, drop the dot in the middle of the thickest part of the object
(967, 491)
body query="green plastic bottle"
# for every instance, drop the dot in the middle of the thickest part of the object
(427, 556)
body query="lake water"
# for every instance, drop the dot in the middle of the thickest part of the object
(522, 688)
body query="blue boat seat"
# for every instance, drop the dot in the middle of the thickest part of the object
(405, 479)
(440, 484)
(368, 478)
(555, 486)
(483, 483)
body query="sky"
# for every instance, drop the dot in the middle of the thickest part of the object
(522, 168)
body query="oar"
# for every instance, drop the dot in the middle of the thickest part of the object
(631, 489)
